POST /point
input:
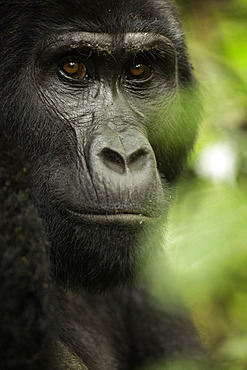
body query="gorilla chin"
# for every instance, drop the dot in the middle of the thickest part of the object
(100, 251)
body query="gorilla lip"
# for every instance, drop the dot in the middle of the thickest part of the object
(107, 218)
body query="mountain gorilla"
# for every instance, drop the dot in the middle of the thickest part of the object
(97, 118)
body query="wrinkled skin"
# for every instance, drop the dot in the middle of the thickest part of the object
(97, 119)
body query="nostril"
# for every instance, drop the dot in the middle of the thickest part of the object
(113, 160)
(137, 160)
(138, 154)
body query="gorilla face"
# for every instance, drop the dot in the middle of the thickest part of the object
(106, 122)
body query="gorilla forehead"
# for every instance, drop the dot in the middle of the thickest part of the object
(107, 16)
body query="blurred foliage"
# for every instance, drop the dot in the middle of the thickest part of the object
(207, 242)
(208, 249)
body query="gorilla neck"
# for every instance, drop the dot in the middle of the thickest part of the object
(26, 286)
(20, 220)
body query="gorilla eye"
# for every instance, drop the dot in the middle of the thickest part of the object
(74, 69)
(138, 71)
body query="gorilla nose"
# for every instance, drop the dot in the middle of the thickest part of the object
(123, 162)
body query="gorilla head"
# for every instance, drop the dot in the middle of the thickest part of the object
(99, 96)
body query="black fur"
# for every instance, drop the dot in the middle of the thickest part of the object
(81, 307)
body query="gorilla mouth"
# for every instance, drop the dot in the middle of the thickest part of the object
(107, 217)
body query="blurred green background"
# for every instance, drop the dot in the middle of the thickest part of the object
(207, 241)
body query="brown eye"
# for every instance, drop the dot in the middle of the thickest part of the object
(74, 69)
(138, 71)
